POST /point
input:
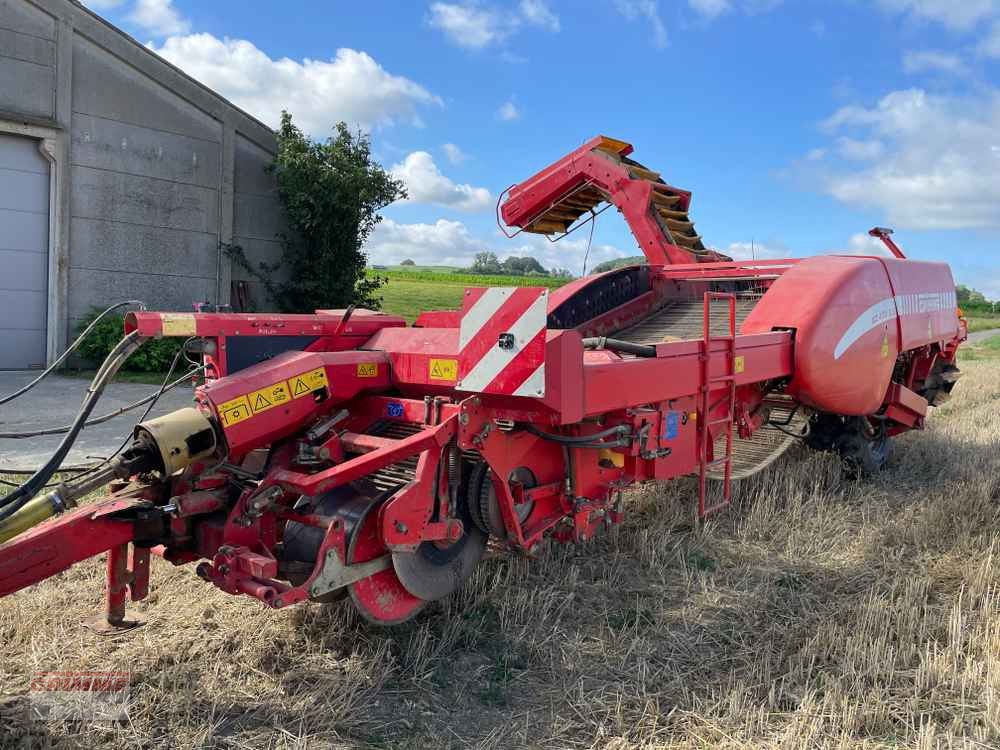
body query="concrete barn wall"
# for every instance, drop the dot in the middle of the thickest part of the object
(258, 221)
(152, 170)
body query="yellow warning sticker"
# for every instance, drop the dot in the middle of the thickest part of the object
(235, 411)
(443, 369)
(178, 324)
(885, 346)
(268, 398)
(307, 382)
(368, 369)
(739, 364)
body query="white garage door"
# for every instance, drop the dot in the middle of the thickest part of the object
(24, 246)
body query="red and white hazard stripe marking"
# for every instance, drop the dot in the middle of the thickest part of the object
(502, 341)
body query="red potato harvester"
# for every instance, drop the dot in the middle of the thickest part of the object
(345, 453)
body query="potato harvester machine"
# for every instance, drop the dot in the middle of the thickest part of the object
(347, 453)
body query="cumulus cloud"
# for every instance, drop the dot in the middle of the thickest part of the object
(538, 13)
(451, 243)
(425, 184)
(454, 153)
(757, 251)
(937, 160)
(990, 45)
(861, 243)
(961, 15)
(103, 4)
(351, 86)
(508, 111)
(647, 11)
(855, 150)
(158, 17)
(470, 25)
(710, 8)
(934, 61)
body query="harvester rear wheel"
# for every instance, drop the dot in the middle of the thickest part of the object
(300, 543)
(862, 443)
(435, 570)
(381, 598)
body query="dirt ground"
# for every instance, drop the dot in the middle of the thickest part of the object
(818, 612)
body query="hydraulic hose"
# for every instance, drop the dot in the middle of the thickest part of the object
(617, 345)
(72, 348)
(17, 499)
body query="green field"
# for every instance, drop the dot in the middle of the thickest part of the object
(410, 292)
(977, 323)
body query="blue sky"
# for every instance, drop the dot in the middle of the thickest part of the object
(797, 124)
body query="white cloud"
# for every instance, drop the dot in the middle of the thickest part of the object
(454, 153)
(103, 4)
(938, 163)
(648, 11)
(990, 45)
(757, 251)
(471, 25)
(710, 8)
(537, 13)
(159, 17)
(425, 184)
(861, 243)
(451, 243)
(930, 60)
(856, 150)
(960, 15)
(508, 111)
(351, 87)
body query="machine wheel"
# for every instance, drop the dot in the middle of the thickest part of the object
(489, 504)
(435, 570)
(301, 542)
(381, 599)
(862, 444)
(864, 448)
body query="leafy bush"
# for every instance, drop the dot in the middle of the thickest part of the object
(154, 356)
(331, 193)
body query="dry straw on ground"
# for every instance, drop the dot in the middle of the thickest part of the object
(817, 612)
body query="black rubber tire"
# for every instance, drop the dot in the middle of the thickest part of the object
(864, 453)
(301, 542)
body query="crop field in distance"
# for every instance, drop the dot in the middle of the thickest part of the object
(411, 290)
(817, 612)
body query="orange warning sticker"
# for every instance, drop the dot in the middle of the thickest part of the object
(368, 369)
(235, 411)
(268, 398)
(307, 382)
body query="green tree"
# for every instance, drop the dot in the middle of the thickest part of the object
(331, 193)
(407, 262)
(486, 262)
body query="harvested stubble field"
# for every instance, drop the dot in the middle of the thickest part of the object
(817, 612)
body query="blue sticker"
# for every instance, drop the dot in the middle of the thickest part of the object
(673, 426)
(394, 409)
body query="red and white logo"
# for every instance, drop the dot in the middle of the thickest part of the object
(502, 341)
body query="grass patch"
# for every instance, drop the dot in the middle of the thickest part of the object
(409, 293)
(984, 350)
(983, 323)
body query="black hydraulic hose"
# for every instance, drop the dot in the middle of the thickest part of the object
(12, 503)
(617, 345)
(622, 432)
(156, 397)
(72, 348)
(104, 417)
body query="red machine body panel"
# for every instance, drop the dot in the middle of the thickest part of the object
(852, 316)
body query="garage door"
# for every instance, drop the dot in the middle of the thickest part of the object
(24, 246)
